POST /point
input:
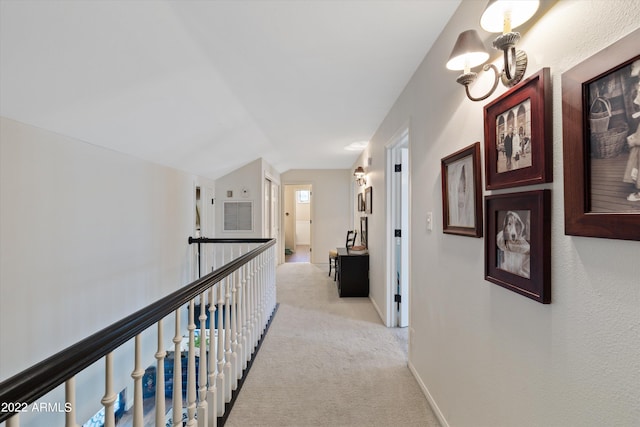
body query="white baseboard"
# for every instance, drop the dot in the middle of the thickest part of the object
(432, 402)
(384, 320)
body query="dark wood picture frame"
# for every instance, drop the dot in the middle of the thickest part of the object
(523, 263)
(462, 192)
(363, 231)
(580, 220)
(368, 200)
(528, 110)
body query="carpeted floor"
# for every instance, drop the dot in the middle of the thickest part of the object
(328, 361)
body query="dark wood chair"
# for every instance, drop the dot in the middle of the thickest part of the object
(333, 254)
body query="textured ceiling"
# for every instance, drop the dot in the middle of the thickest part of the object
(208, 86)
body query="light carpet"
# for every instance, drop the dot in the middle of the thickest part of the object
(328, 361)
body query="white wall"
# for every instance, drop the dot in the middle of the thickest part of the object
(250, 177)
(330, 207)
(88, 236)
(484, 355)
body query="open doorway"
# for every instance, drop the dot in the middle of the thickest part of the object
(398, 227)
(297, 222)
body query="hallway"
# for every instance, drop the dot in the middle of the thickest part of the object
(328, 361)
(302, 253)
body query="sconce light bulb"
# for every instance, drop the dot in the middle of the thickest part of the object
(506, 26)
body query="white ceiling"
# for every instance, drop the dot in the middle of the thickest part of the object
(208, 86)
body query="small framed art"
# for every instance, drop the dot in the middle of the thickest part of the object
(462, 192)
(518, 135)
(518, 243)
(368, 200)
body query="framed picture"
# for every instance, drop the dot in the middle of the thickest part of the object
(363, 231)
(462, 192)
(368, 195)
(601, 143)
(518, 144)
(518, 243)
(360, 203)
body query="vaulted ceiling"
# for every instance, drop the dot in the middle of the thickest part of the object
(208, 86)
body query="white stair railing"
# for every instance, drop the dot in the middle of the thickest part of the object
(235, 304)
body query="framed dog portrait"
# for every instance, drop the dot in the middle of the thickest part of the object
(601, 143)
(518, 145)
(462, 192)
(518, 243)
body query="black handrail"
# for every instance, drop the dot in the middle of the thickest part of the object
(34, 382)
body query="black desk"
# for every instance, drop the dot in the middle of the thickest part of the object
(352, 274)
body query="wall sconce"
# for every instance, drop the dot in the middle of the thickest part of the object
(469, 51)
(361, 178)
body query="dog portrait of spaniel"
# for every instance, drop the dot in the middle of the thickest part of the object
(513, 242)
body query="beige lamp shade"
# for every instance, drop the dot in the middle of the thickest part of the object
(501, 16)
(468, 52)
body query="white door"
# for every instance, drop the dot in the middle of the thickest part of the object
(398, 229)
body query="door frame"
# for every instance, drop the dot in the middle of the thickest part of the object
(400, 141)
(294, 186)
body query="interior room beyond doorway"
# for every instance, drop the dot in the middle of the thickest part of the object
(297, 223)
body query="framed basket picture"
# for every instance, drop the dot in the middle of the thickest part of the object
(462, 192)
(518, 244)
(601, 143)
(518, 135)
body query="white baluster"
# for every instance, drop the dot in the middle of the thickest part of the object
(177, 373)
(254, 304)
(220, 378)
(14, 421)
(161, 354)
(212, 392)
(191, 368)
(138, 372)
(238, 304)
(260, 299)
(243, 316)
(109, 396)
(70, 401)
(248, 347)
(202, 377)
(227, 339)
(234, 330)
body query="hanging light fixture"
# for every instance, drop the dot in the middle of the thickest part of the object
(469, 52)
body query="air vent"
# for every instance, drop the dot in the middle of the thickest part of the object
(238, 216)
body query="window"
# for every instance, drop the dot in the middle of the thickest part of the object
(303, 196)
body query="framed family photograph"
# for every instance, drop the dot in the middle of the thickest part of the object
(368, 200)
(462, 192)
(518, 135)
(518, 244)
(601, 143)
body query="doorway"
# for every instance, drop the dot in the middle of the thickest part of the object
(204, 221)
(398, 229)
(297, 222)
